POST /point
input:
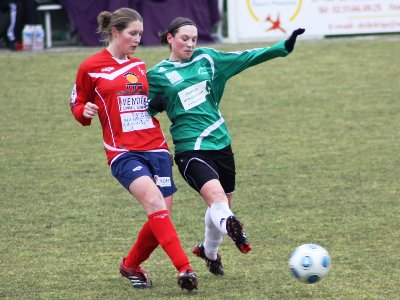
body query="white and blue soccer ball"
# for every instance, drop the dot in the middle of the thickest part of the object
(309, 263)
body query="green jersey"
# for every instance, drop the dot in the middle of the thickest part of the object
(193, 91)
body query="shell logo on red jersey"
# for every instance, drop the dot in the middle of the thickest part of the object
(133, 80)
(131, 77)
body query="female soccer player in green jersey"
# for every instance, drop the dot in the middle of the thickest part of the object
(189, 87)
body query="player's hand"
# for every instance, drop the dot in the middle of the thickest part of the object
(291, 40)
(90, 110)
(158, 103)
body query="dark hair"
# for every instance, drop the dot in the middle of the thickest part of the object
(118, 19)
(173, 28)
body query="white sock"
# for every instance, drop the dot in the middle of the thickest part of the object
(212, 237)
(219, 212)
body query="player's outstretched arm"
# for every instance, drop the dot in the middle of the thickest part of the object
(291, 40)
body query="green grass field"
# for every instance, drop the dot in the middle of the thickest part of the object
(316, 137)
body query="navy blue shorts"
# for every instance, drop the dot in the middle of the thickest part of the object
(157, 165)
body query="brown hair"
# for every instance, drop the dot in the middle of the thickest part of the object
(173, 28)
(118, 19)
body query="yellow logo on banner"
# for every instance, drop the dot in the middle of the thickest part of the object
(278, 8)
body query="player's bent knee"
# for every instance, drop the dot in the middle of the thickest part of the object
(212, 191)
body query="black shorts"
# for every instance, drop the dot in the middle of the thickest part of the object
(200, 166)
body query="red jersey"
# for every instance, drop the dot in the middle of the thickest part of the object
(120, 90)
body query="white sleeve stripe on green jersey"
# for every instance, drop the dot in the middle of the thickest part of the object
(244, 51)
(206, 132)
(201, 56)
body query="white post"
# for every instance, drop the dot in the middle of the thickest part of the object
(47, 21)
(220, 23)
(232, 17)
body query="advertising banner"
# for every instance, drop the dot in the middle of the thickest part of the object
(252, 20)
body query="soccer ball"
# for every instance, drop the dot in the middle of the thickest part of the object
(309, 263)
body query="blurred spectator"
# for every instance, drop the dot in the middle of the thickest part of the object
(14, 15)
(9, 12)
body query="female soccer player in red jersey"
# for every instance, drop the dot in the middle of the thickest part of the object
(113, 85)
